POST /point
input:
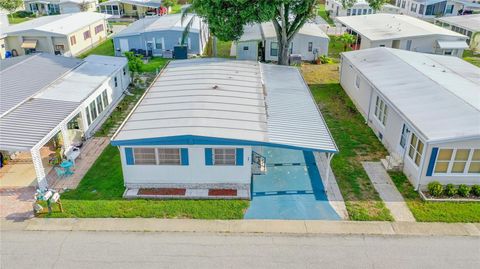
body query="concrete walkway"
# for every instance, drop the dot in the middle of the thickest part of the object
(388, 191)
(304, 227)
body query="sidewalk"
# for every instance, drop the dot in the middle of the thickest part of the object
(313, 227)
(388, 191)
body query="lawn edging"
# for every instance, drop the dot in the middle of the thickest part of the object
(425, 198)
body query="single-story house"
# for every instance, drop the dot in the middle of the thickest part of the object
(259, 42)
(424, 108)
(158, 34)
(199, 130)
(361, 7)
(55, 7)
(468, 25)
(67, 34)
(403, 32)
(3, 23)
(431, 9)
(131, 8)
(65, 95)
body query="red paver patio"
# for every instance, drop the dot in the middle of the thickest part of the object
(16, 203)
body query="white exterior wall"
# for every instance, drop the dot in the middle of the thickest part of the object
(251, 53)
(336, 9)
(407, 10)
(115, 94)
(196, 172)
(300, 46)
(426, 44)
(364, 98)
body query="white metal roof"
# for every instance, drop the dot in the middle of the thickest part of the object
(261, 31)
(43, 104)
(469, 22)
(160, 23)
(439, 95)
(392, 26)
(227, 99)
(57, 24)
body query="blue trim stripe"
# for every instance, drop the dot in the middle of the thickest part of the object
(208, 156)
(184, 156)
(431, 164)
(239, 156)
(129, 156)
(205, 140)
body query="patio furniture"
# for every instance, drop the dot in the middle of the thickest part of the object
(67, 165)
(60, 172)
(72, 153)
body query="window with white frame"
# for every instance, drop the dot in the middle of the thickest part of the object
(89, 119)
(159, 44)
(381, 110)
(169, 156)
(457, 161)
(273, 48)
(310, 46)
(144, 156)
(224, 156)
(105, 98)
(416, 149)
(357, 81)
(93, 110)
(99, 104)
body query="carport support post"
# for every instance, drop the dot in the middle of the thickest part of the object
(329, 159)
(39, 170)
(66, 139)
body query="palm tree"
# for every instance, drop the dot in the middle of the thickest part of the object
(347, 40)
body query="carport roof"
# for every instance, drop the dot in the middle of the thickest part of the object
(227, 102)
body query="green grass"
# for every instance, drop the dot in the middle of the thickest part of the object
(471, 58)
(335, 47)
(177, 8)
(355, 140)
(435, 211)
(323, 13)
(100, 195)
(104, 48)
(154, 65)
(126, 23)
(223, 49)
(16, 20)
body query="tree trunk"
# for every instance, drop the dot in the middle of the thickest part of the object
(283, 38)
(214, 46)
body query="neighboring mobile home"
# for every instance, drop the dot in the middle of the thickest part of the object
(199, 130)
(55, 7)
(361, 7)
(131, 8)
(403, 32)
(431, 9)
(68, 34)
(425, 109)
(44, 95)
(259, 42)
(156, 35)
(468, 25)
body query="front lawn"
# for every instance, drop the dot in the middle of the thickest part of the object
(99, 195)
(335, 47)
(223, 49)
(154, 65)
(471, 58)
(435, 211)
(355, 140)
(104, 48)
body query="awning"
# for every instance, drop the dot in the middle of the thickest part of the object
(29, 44)
(446, 44)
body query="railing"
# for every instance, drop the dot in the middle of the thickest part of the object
(259, 166)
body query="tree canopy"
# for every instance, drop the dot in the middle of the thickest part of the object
(374, 4)
(10, 5)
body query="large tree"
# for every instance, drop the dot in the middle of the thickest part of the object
(226, 18)
(10, 5)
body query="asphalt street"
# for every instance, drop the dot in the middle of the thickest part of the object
(25, 249)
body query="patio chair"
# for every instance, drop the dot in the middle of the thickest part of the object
(60, 172)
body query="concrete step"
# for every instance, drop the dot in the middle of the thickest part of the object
(391, 166)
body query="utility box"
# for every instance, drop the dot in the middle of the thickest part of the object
(180, 52)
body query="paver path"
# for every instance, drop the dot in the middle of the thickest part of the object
(388, 191)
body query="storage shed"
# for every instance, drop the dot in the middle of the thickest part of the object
(198, 130)
(425, 109)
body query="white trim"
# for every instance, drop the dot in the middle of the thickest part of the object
(452, 161)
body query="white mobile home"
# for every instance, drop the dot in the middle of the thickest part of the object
(259, 42)
(44, 95)
(431, 9)
(468, 25)
(199, 130)
(360, 7)
(55, 7)
(156, 35)
(424, 108)
(403, 32)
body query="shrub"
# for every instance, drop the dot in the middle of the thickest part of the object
(23, 14)
(435, 188)
(464, 190)
(450, 190)
(324, 59)
(476, 190)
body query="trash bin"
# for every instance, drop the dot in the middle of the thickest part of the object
(180, 52)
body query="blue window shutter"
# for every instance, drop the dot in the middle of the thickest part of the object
(208, 156)
(129, 156)
(431, 164)
(184, 156)
(239, 153)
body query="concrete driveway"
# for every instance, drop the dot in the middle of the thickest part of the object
(291, 188)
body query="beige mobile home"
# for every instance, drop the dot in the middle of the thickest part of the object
(425, 109)
(403, 32)
(68, 34)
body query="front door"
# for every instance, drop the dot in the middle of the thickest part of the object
(402, 145)
(150, 48)
(124, 45)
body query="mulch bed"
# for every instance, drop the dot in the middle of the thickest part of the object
(222, 192)
(162, 191)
